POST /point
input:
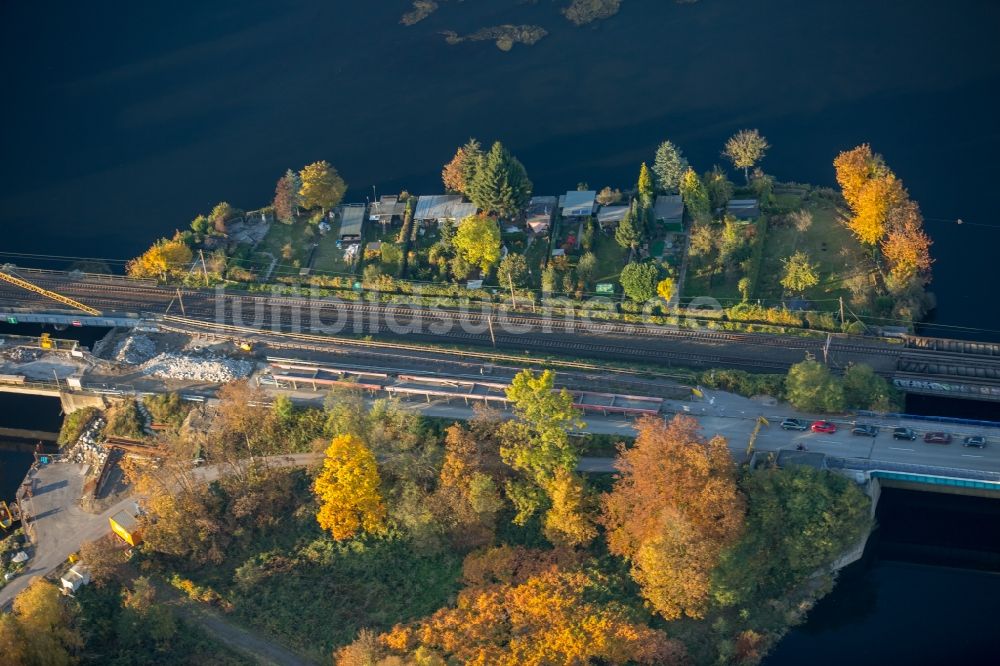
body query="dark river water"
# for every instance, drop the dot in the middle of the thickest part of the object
(124, 120)
(121, 121)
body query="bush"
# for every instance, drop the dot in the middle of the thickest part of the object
(335, 589)
(167, 408)
(810, 387)
(744, 383)
(124, 420)
(74, 424)
(756, 257)
(863, 389)
(822, 321)
(753, 312)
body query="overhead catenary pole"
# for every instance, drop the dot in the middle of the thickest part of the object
(489, 320)
(841, 299)
(204, 268)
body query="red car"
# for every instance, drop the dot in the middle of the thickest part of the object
(937, 438)
(823, 426)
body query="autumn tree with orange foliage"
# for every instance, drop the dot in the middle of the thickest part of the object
(884, 218)
(547, 619)
(509, 565)
(458, 174)
(906, 247)
(870, 189)
(348, 490)
(673, 510)
(467, 499)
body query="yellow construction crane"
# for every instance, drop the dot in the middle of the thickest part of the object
(761, 421)
(24, 284)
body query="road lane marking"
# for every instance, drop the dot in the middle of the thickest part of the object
(969, 455)
(826, 441)
(896, 448)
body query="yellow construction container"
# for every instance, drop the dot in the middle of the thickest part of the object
(125, 525)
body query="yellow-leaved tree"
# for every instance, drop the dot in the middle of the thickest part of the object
(322, 187)
(665, 289)
(348, 490)
(548, 618)
(163, 259)
(478, 241)
(854, 168)
(568, 521)
(876, 200)
(43, 628)
(871, 190)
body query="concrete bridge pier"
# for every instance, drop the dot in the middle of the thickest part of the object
(71, 402)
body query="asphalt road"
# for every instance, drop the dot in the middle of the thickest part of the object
(734, 418)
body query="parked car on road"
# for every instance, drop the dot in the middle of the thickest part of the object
(937, 438)
(865, 430)
(904, 433)
(823, 426)
(794, 424)
(977, 441)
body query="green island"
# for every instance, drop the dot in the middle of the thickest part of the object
(679, 247)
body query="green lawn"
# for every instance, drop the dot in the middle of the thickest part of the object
(278, 237)
(714, 284)
(330, 259)
(827, 242)
(535, 258)
(610, 257)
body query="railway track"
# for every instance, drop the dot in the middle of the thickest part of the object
(950, 364)
(142, 296)
(567, 334)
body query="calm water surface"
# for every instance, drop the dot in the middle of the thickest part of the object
(124, 120)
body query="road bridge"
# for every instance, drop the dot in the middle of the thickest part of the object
(934, 366)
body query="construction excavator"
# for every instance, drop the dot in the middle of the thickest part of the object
(7, 276)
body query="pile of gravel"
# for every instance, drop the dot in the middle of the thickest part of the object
(22, 354)
(135, 349)
(208, 368)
